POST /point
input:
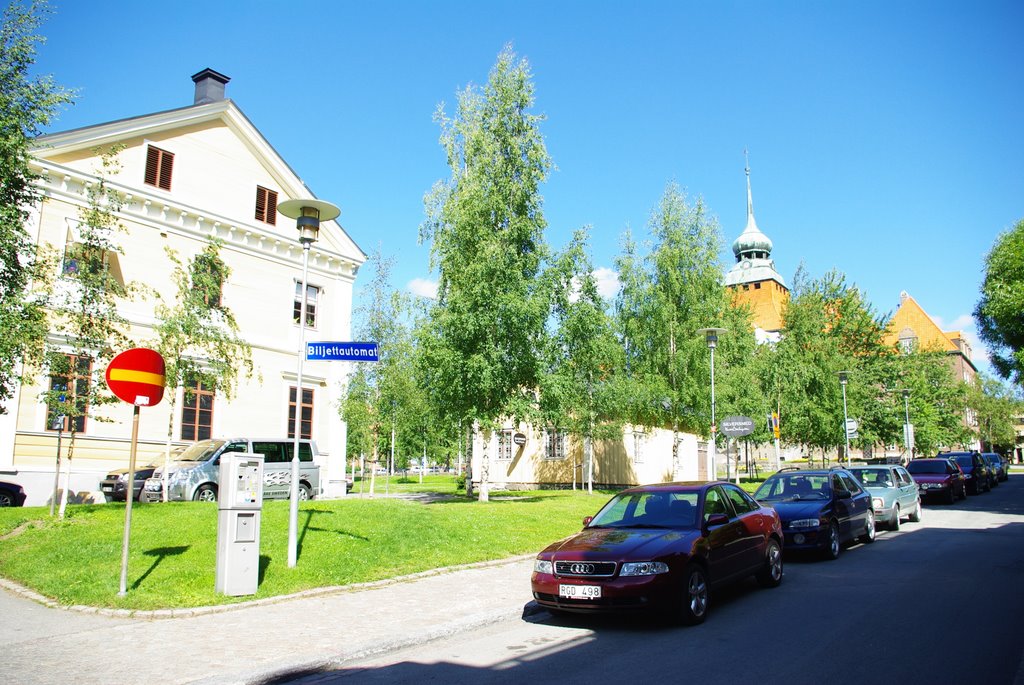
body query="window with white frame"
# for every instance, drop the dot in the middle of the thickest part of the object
(312, 295)
(505, 445)
(554, 444)
(639, 444)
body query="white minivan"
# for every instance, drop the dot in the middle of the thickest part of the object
(193, 474)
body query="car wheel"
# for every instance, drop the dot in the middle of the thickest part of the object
(869, 529)
(832, 546)
(951, 496)
(206, 493)
(305, 492)
(894, 522)
(695, 596)
(771, 574)
(6, 500)
(915, 516)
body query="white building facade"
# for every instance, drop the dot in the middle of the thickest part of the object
(186, 176)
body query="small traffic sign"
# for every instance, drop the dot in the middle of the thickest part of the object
(136, 376)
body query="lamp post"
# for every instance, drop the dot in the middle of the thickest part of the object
(307, 214)
(908, 430)
(843, 375)
(711, 336)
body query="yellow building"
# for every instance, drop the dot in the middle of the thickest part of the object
(187, 175)
(754, 280)
(912, 329)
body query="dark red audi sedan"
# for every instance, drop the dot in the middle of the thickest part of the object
(662, 548)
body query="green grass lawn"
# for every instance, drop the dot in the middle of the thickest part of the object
(173, 546)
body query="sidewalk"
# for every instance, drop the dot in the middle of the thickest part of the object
(250, 643)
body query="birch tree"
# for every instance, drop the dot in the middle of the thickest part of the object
(27, 104)
(486, 229)
(197, 334)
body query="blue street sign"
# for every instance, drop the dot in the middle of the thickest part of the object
(342, 351)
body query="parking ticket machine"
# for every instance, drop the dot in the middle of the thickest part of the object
(240, 504)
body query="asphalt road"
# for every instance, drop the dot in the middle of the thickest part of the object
(937, 602)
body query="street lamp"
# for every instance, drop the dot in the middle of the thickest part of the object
(843, 375)
(307, 214)
(711, 335)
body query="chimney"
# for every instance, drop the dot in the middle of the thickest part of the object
(209, 86)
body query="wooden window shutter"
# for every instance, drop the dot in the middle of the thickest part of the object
(159, 164)
(266, 205)
(152, 165)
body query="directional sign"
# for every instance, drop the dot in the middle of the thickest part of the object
(342, 351)
(737, 426)
(136, 376)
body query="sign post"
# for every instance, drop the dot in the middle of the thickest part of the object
(736, 427)
(135, 376)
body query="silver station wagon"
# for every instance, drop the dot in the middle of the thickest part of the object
(893, 493)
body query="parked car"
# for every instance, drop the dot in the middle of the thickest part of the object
(821, 510)
(661, 548)
(975, 468)
(115, 485)
(194, 473)
(893, 493)
(938, 478)
(999, 466)
(11, 494)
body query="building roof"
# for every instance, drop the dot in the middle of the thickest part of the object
(55, 146)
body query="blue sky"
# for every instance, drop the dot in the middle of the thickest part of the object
(885, 138)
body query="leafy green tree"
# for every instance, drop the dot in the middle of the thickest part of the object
(27, 104)
(486, 228)
(85, 311)
(936, 401)
(576, 395)
(828, 328)
(197, 335)
(378, 398)
(665, 298)
(998, 313)
(995, 407)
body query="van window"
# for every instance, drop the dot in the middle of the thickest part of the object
(277, 452)
(272, 452)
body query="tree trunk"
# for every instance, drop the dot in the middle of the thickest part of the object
(484, 466)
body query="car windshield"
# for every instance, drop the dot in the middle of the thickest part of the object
(200, 451)
(927, 467)
(794, 486)
(965, 461)
(654, 509)
(875, 478)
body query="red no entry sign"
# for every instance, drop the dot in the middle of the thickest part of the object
(136, 376)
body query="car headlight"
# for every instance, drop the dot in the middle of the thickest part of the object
(643, 568)
(543, 566)
(804, 523)
(878, 502)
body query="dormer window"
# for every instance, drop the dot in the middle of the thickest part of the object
(266, 205)
(159, 164)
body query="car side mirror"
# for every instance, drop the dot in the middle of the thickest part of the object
(587, 520)
(716, 520)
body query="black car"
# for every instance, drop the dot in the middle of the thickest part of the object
(975, 468)
(115, 484)
(11, 494)
(820, 510)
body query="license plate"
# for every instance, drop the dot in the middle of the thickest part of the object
(108, 488)
(580, 591)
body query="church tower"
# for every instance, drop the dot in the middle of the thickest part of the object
(753, 278)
